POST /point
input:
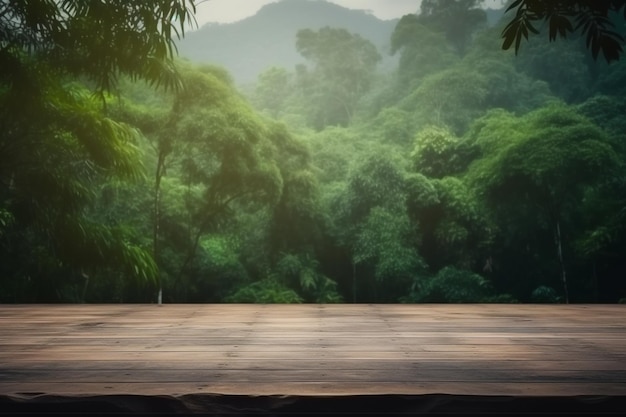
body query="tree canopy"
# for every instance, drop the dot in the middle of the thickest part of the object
(455, 172)
(343, 68)
(98, 40)
(58, 145)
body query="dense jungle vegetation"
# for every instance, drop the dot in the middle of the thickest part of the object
(466, 174)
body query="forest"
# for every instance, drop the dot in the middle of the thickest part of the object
(466, 174)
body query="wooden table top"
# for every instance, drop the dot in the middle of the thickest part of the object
(322, 350)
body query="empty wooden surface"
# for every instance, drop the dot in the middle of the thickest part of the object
(518, 350)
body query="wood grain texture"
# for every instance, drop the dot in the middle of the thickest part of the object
(538, 350)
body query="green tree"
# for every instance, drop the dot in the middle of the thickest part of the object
(97, 40)
(297, 221)
(369, 219)
(303, 272)
(383, 243)
(452, 228)
(540, 173)
(392, 125)
(423, 51)
(51, 168)
(608, 113)
(567, 75)
(458, 19)
(332, 151)
(266, 291)
(58, 145)
(452, 98)
(434, 152)
(610, 79)
(508, 85)
(274, 86)
(343, 66)
(224, 157)
(451, 285)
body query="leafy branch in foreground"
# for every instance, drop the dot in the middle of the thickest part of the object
(591, 18)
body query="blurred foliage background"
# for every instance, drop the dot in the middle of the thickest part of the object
(465, 173)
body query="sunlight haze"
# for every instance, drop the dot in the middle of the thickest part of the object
(227, 11)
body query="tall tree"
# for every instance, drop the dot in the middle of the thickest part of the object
(58, 144)
(273, 88)
(508, 87)
(370, 219)
(224, 158)
(450, 98)
(423, 50)
(343, 66)
(458, 19)
(536, 170)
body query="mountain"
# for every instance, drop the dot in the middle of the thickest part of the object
(248, 47)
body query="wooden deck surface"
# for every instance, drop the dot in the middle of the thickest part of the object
(485, 350)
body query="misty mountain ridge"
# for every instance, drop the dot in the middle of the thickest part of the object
(248, 47)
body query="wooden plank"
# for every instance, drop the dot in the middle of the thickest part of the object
(339, 376)
(312, 354)
(318, 389)
(315, 364)
(262, 350)
(313, 349)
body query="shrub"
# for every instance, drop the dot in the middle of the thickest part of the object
(267, 291)
(451, 285)
(544, 294)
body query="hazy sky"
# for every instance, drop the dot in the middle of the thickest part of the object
(225, 11)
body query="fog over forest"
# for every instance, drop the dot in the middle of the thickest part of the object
(309, 154)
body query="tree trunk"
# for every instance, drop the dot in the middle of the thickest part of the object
(84, 294)
(156, 222)
(201, 231)
(190, 255)
(595, 282)
(353, 282)
(559, 248)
